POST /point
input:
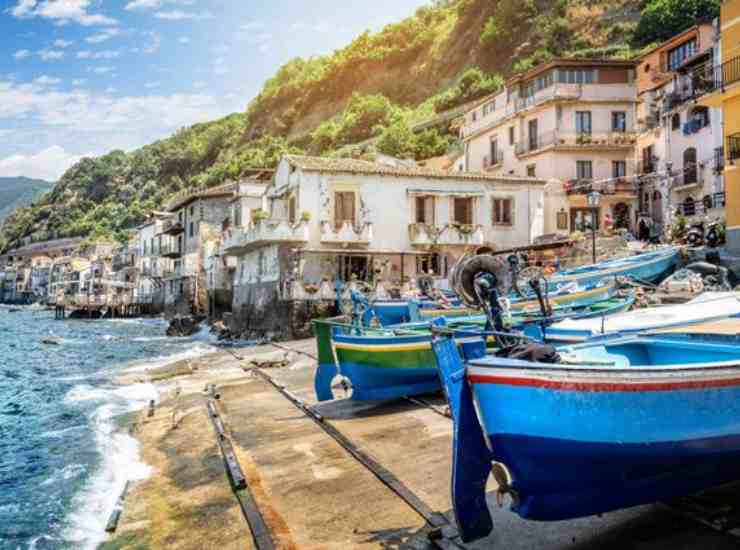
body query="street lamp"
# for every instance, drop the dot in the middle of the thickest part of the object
(594, 198)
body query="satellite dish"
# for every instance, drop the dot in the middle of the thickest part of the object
(462, 278)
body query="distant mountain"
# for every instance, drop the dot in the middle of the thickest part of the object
(19, 192)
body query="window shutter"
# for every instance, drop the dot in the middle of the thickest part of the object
(338, 209)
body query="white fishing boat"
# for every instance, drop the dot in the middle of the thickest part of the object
(709, 306)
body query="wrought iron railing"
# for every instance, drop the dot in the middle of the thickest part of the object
(702, 206)
(733, 147)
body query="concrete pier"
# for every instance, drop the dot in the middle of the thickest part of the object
(310, 491)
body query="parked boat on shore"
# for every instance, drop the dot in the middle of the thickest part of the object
(613, 424)
(707, 307)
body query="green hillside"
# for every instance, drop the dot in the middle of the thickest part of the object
(19, 192)
(447, 53)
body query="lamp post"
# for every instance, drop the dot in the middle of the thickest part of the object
(593, 203)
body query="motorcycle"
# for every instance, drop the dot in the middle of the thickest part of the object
(715, 234)
(695, 234)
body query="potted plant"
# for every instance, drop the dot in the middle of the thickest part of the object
(306, 216)
(259, 215)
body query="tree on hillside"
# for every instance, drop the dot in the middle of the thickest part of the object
(662, 19)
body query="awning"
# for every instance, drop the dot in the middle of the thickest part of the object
(445, 193)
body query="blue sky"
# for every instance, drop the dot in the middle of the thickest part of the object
(82, 77)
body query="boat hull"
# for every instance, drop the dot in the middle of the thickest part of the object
(387, 368)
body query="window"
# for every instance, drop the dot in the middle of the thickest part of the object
(619, 168)
(584, 170)
(576, 76)
(701, 117)
(191, 232)
(619, 121)
(474, 116)
(493, 161)
(425, 210)
(583, 122)
(562, 221)
(192, 211)
(511, 135)
(537, 84)
(463, 211)
(533, 135)
(676, 121)
(582, 219)
(689, 166)
(502, 212)
(344, 208)
(292, 210)
(532, 170)
(238, 214)
(678, 55)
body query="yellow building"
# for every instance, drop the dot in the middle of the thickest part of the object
(724, 92)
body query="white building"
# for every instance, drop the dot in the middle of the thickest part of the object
(328, 220)
(571, 120)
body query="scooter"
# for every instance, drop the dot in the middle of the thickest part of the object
(715, 234)
(695, 234)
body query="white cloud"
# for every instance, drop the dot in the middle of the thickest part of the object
(155, 41)
(102, 70)
(62, 43)
(179, 15)
(111, 90)
(184, 40)
(51, 55)
(199, 84)
(103, 54)
(79, 81)
(22, 54)
(47, 164)
(60, 11)
(320, 27)
(153, 4)
(103, 35)
(152, 85)
(45, 80)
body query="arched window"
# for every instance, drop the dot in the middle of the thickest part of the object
(689, 166)
(689, 207)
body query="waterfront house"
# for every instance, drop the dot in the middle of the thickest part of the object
(679, 150)
(572, 120)
(323, 222)
(151, 268)
(193, 219)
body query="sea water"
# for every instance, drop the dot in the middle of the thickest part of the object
(64, 454)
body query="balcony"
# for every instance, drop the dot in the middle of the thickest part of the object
(556, 92)
(691, 178)
(491, 162)
(347, 235)
(173, 252)
(427, 236)
(568, 140)
(171, 227)
(621, 187)
(707, 80)
(240, 240)
(646, 167)
(122, 261)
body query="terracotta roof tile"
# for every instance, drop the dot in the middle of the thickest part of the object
(354, 166)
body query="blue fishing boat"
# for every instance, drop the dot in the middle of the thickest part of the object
(650, 267)
(710, 306)
(594, 428)
(398, 361)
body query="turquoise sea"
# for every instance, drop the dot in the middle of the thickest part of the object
(63, 456)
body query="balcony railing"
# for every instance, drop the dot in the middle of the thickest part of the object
(424, 235)
(611, 187)
(172, 252)
(347, 234)
(493, 161)
(708, 79)
(701, 207)
(718, 165)
(172, 227)
(239, 240)
(691, 176)
(577, 140)
(647, 167)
